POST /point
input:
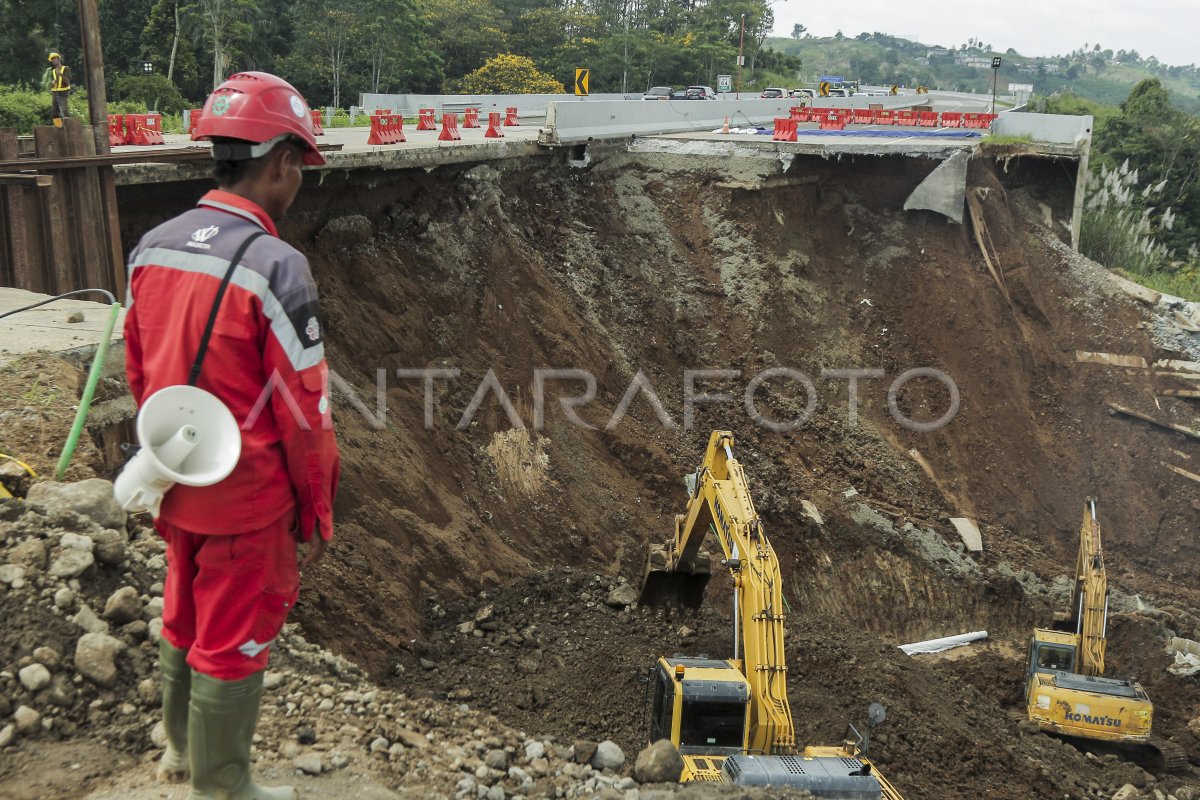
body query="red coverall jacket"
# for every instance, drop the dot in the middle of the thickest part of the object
(265, 361)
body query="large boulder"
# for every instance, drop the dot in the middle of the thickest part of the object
(658, 763)
(608, 755)
(1126, 792)
(92, 498)
(621, 596)
(96, 658)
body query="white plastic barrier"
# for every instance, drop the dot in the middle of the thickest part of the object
(1050, 128)
(944, 643)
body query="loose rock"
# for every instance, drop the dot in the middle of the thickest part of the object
(608, 756)
(26, 719)
(658, 763)
(622, 596)
(124, 605)
(92, 498)
(95, 658)
(309, 763)
(34, 677)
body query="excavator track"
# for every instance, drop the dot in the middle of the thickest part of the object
(1170, 756)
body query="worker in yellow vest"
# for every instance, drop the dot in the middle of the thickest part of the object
(60, 89)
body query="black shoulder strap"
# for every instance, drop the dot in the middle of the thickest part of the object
(212, 317)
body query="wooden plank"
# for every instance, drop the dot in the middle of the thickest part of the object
(22, 225)
(1195, 434)
(1180, 471)
(112, 230)
(143, 156)
(1179, 366)
(1112, 359)
(1136, 290)
(98, 269)
(9, 179)
(88, 270)
(1180, 393)
(56, 215)
(978, 226)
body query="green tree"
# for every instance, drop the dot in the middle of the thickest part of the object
(465, 33)
(798, 31)
(226, 28)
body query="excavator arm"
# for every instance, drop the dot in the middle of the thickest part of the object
(719, 501)
(1089, 599)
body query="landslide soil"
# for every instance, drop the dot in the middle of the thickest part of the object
(650, 265)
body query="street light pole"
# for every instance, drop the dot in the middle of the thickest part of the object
(995, 80)
(741, 58)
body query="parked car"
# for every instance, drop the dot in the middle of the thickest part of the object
(658, 93)
(701, 93)
(679, 94)
(798, 94)
(771, 92)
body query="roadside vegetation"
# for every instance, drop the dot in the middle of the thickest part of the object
(1142, 213)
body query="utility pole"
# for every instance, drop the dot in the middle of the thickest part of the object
(93, 63)
(995, 80)
(741, 58)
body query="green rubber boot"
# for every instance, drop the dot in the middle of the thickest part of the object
(220, 729)
(176, 691)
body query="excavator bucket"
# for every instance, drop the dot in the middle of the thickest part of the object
(676, 587)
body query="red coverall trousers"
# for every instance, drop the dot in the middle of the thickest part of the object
(226, 596)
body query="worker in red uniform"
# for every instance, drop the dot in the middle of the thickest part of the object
(232, 556)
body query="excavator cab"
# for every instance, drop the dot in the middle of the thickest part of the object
(700, 704)
(1051, 656)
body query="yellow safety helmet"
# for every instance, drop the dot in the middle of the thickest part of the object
(54, 56)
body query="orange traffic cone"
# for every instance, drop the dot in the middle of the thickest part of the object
(725, 127)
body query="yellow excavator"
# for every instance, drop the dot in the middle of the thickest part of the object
(730, 718)
(1065, 689)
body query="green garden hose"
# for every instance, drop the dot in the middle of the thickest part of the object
(89, 391)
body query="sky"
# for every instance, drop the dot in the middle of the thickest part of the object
(1166, 29)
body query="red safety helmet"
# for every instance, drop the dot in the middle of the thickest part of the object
(261, 108)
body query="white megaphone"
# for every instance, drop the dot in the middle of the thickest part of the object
(187, 436)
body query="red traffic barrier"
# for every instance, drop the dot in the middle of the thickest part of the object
(785, 129)
(510, 117)
(798, 113)
(833, 121)
(143, 129)
(952, 119)
(387, 112)
(193, 119)
(116, 130)
(862, 116)
(386, 129)
(927, 119)
(880, 116)
(426, 119)
(906, 118)
(975, 120)
(493, 131)
(449, 128)
(470, 118)
(318, 124)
